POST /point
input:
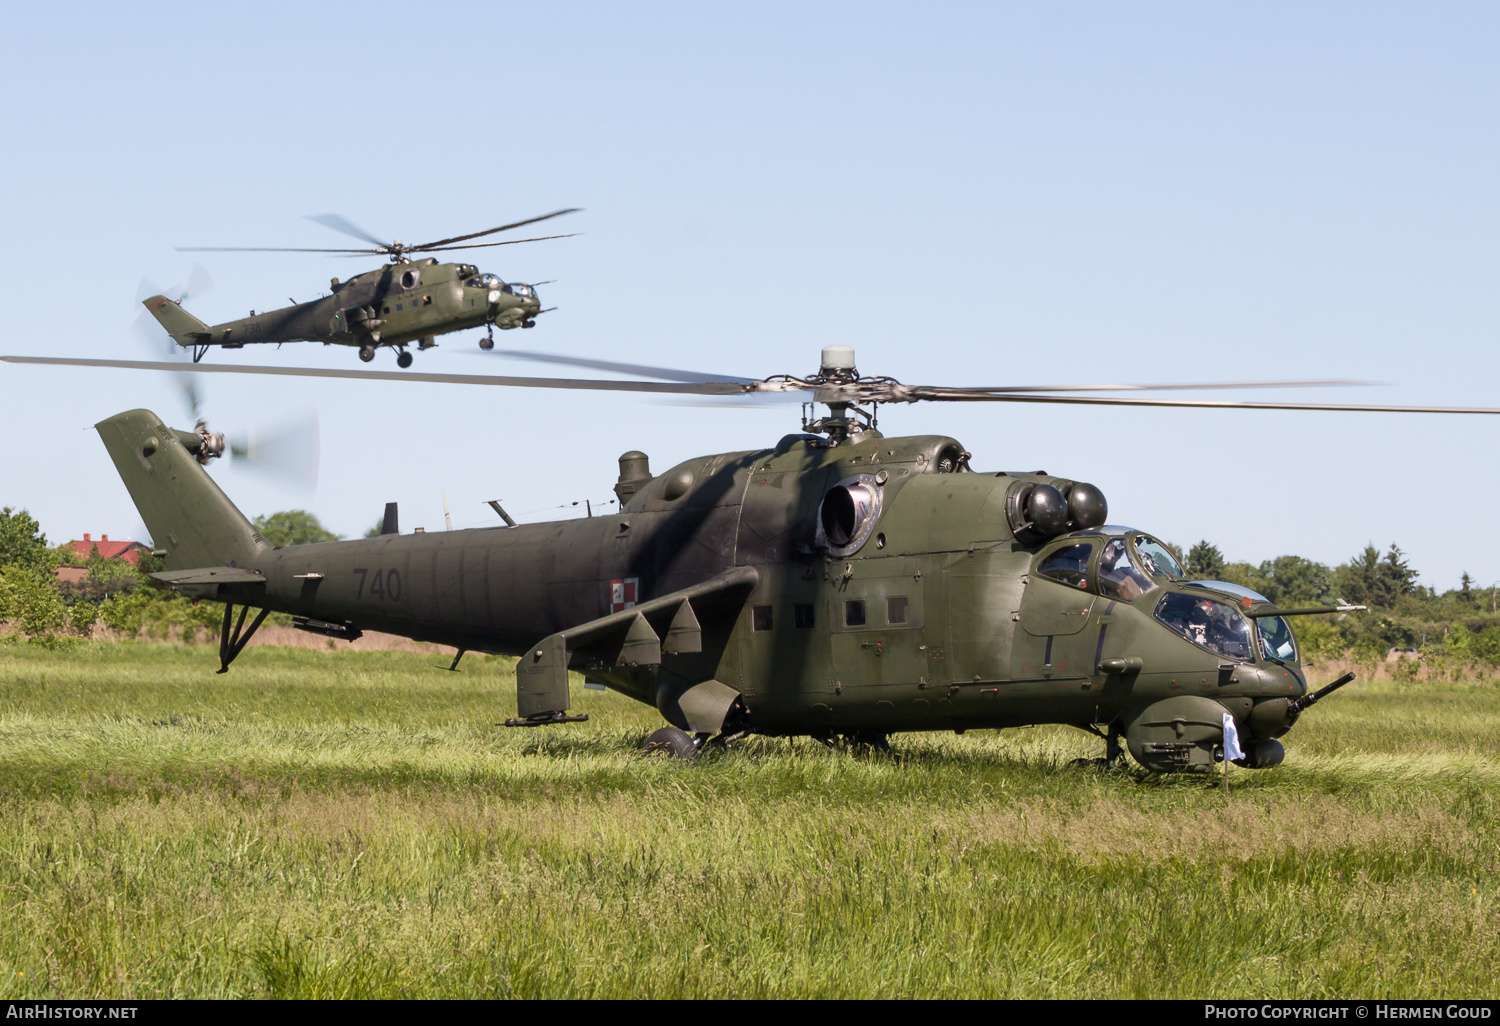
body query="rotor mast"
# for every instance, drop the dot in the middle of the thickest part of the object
(845, 417)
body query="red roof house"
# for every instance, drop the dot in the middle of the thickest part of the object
(129, 551)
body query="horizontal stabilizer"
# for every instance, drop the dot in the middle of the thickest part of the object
(210, 575)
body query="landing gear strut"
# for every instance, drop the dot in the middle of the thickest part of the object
(1112, 747)
(232, 642)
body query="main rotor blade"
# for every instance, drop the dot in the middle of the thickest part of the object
(699, 388)
(827, 393)
(502, 228)
(266, 249)
(666, 373)
(979, 391)
(434, 248)
(674, 374)
(342, 224)
(920, 393)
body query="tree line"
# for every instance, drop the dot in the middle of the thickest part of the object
(114, 593)
(1459, 625)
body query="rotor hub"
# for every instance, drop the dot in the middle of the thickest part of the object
(210, 443)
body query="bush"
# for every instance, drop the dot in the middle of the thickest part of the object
(82, 617)
(124, 614)
(156, 613)
(1319, 638)
(1370, 650)
(28, 599)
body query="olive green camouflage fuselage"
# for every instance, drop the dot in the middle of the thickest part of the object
(938, 621)
(393, 306)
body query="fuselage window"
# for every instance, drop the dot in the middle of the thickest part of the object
(802, 616)
(1069, 565)
(854, 613)
(1155, 557)
(1118, 577)
(895, 609)
(760, 618)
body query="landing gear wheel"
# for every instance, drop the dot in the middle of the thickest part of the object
(868, 739)
(671, 743)
(404, 360)
(367, 353)
(487, 343)
(528, 324)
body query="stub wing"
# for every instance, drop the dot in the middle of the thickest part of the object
(634, 637)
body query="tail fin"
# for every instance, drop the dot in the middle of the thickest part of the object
(185, 329)
(183, 508)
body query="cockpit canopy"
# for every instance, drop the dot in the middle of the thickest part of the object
(1123, 564)
(1207, 623)
(493, 282)
(1129, 565)
(1277, 642)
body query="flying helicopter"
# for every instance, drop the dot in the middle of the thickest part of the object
(837, 583)
(411, 299)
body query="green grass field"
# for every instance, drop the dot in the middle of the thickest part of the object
(351, 824)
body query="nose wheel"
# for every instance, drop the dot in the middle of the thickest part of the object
(403, 360)
(367, 353)
(488, 342)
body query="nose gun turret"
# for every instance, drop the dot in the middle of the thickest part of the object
(1295, 707)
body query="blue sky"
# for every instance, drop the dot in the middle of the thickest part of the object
(967, 194)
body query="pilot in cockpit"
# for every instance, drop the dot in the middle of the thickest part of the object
(1118, 577)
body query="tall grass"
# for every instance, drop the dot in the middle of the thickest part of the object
(353, 825)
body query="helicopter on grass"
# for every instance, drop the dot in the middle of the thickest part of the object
(835, 584)
(411, 299)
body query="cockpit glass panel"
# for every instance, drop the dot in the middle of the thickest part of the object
(1276, 640)
(1069, 565)
(1155, 558)
(1212, 625)
(1118, 576)
(1237, 590)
